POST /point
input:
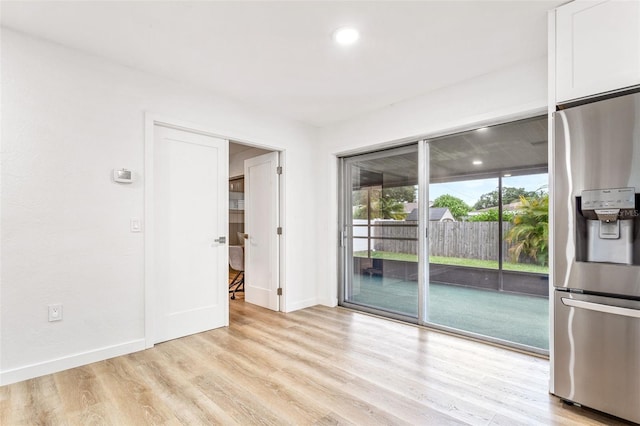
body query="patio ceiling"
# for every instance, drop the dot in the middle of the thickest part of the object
(518, 147)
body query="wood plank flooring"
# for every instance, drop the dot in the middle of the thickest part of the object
(317, 366)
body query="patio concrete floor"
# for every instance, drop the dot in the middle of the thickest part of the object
(512, 317)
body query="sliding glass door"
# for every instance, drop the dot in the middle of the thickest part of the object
(380, 238)
(475, 262)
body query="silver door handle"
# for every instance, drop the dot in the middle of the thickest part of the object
(607, 309)
(220, 240)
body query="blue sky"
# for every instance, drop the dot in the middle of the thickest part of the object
(471, 190)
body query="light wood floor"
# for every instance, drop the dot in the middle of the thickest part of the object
(319, 366)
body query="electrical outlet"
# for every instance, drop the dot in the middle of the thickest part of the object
(55, 312)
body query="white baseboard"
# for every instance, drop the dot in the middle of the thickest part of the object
(301, 304)
(55, 365)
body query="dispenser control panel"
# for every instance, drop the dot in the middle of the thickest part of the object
(614, 198)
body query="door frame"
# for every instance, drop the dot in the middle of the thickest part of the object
(150, 296)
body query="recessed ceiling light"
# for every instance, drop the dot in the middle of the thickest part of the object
(477, 162)
(346, 36)
(507, 175)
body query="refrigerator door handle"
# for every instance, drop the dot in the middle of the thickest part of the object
(608, 309)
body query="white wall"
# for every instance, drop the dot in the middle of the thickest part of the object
(68, 120)
(504, 95)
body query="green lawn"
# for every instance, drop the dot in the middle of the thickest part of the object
(457, 261)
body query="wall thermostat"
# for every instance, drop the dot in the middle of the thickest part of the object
(122, 175)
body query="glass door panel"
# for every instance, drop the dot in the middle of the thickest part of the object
(380, 226)
(487, 274)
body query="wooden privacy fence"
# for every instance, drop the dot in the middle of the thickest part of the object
(469, 240)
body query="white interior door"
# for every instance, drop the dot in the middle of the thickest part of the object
(190, 213)
(261, 223)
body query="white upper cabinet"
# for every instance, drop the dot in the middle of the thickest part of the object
(597, 47)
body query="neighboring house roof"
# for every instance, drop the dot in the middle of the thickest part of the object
(439, 213)
(436, 214)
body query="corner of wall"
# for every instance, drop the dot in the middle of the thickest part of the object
(301, 304)
(329, 302)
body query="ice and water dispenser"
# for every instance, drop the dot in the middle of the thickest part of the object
(607, 225)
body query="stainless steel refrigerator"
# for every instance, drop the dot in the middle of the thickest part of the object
(596, 255)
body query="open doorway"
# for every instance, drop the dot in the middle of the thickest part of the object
(254, 226)
(187, 222)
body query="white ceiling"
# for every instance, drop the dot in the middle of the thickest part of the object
(279, 56)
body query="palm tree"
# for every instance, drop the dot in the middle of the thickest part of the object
(530, 233)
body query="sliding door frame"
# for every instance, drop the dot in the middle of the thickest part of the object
(423, 232)
(344, 243)
(345, 230)
(345, 238)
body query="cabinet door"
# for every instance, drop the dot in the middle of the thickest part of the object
(598, 47)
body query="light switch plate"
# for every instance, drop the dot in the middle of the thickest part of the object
(136, 225)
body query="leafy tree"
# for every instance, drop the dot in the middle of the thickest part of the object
(530, 233)
(402, 194)
(491, 215)
(390, 208)
(509, 195)
(385, 204)
(456, 206)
